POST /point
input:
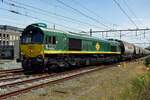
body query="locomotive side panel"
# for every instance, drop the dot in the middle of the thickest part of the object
(75, 44)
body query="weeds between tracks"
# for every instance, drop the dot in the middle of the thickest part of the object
(139, 90)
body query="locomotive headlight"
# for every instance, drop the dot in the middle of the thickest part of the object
(40, 56)
(22, 53)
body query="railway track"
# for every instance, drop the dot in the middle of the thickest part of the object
(2, 75)
(9, 88)
(17, 77)
(10, 73)
(11, 70)
(12, 84)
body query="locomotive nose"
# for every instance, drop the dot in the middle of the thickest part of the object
(32, 50)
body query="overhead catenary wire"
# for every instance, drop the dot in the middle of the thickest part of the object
(116, 2)
(47, 13)
(132, 12)
(83, 14)
(29, 16)
(31, 10)
(44, 1)
(90, 11)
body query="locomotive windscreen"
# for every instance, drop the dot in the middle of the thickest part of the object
(75, 44)
(32, 35)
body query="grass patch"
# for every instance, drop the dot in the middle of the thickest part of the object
(139, 90)
(147, 61)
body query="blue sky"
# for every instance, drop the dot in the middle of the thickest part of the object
(105, 11)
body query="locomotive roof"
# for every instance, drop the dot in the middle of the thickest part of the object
(49, 31)
(71, 34)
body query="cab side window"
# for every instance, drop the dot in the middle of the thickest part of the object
(50, 40)
(53, 41)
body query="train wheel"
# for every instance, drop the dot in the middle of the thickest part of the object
(67, 66)
(25, 65)
(37, 68)
(87, 63)
(50, 68)
(53, 68)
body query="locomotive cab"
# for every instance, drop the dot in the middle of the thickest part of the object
(32, 43)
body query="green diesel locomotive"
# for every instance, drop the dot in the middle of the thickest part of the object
(44, 49)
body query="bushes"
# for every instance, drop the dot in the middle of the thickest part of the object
(139, 90)
(140, 86)
(147, 61)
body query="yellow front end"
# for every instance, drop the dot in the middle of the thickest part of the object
(32, 50)
(32, 57)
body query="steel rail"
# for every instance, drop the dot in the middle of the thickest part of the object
(40, 85)
(24, 90)
(11, 70)
(25, 81)
(10, 74)
(17, 77)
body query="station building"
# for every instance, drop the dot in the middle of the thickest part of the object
(9, 42)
